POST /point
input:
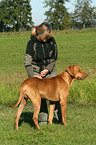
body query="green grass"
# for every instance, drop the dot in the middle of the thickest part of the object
(80, 130)
(74, 47)
(77, 49)
(12, 50)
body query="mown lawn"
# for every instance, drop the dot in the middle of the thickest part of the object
(76, 48)
(80, 130)
(73, 48)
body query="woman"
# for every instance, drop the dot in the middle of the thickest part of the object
(40, 57)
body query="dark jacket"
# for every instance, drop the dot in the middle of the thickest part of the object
(40, 55)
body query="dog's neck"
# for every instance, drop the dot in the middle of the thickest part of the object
(69, 74)
(68, 78)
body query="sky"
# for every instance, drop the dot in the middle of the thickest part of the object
(38, 10)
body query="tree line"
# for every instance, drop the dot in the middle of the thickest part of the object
(17, 14)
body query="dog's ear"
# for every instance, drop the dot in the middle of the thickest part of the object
(70, 70)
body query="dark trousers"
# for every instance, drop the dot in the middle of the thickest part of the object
(43, 115)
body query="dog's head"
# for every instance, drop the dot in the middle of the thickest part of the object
(76, 72)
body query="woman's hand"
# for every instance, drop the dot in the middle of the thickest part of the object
(44, 72)
(38, 76)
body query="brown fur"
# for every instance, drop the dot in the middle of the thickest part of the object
(54, 89)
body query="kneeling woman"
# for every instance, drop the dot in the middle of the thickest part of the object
(40, 58)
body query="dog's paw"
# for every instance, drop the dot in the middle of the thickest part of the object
(64, 123)
(50, 123)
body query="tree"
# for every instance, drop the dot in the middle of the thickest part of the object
(15, 14)
(57, 14)
(84, 13)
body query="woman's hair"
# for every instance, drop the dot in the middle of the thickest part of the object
(43, 29)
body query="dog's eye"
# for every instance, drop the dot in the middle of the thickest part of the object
(79, 70)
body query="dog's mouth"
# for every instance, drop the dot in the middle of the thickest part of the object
(82, 77)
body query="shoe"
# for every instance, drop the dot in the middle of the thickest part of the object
(42, 118)
(58, 116)
(42, 123)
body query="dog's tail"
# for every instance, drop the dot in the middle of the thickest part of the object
(20, 97)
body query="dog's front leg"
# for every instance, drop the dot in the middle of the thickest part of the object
(63, 105)
(52, 106)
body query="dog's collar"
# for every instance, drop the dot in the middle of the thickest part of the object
(69, 74)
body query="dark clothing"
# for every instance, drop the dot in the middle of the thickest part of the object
(40, 55)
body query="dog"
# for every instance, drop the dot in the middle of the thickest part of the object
(53, 89)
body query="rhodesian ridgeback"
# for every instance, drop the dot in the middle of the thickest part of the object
(53, 89)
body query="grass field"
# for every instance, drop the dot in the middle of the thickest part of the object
(76, 48)
(80, 130)
(73, 48)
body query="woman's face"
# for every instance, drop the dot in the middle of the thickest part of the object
(44, 38)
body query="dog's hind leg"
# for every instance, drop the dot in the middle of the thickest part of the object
(36, 104)
(19, 111)
(35, 115)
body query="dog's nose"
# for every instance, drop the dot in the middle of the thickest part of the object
(86, 75)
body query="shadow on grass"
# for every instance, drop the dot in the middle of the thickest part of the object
(27, 118)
